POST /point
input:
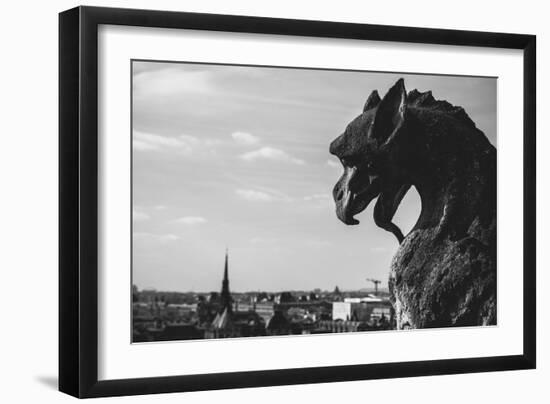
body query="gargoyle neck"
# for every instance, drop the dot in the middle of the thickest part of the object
(455, 193)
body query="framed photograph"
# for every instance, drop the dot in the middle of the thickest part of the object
(251, 201)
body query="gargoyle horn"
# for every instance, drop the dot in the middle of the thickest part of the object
(390, 115)
(372, 101)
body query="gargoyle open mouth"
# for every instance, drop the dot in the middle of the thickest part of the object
(353, 194)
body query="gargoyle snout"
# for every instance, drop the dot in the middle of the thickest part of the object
(336, 146)
(338, 191)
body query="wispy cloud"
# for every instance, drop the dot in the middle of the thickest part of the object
(263, 194)
(172, 81)
(157, 237)
(271, 154)
(245, 138)
(143, 141)
(318, 201)
(317, 197)
(183, 144)
(191, 220)
(139, 216)
(255, 196)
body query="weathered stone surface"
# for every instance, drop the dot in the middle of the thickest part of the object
(438, 284)
(444, 272)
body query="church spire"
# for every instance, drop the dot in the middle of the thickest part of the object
(226, 295)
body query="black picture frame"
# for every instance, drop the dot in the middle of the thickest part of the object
(78, 201)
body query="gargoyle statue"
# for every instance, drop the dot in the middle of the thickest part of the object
(444, 272)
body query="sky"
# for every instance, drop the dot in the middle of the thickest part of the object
(237, 157)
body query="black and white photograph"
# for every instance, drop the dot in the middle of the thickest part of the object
(282, 201)
(212, 201)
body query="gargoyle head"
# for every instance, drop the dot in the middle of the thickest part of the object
(369, 151)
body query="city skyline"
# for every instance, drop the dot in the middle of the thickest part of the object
(237, 157)
(225, 273)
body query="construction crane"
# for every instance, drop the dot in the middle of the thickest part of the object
(376, 283)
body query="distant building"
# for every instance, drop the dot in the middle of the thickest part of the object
(337, 327)
(278, 324)
(264, 309)
(284, 297)
(230, 323)
(337, 294)
(365, 309)
(225, 295)
(236, 324)
(179, 331)
(180, 311)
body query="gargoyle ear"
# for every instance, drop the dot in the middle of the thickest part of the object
(391, 111)
(372, 101)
